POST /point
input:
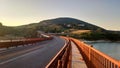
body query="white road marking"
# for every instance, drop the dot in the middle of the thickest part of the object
(10, 60)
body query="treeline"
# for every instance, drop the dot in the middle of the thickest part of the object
(97, 36)
(6, 31)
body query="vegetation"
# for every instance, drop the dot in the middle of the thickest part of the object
(65, 26)
(97, 36)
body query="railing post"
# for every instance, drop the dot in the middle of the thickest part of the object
(59, 64)
(90, 56)
(119, 64)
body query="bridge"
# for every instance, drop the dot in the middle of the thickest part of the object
(53, 52)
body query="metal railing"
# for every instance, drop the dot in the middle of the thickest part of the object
(22, 42)
(63, 57)
(95, 58)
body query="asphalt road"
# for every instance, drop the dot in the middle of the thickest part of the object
(32, 56)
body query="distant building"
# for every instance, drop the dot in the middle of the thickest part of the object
(69, 25)
(81, 25)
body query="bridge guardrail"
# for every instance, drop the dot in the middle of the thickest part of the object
(62, 59)
(95, 58)
(22, 42)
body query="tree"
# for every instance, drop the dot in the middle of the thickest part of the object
(0, 24)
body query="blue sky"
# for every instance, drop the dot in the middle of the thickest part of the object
(104, 13)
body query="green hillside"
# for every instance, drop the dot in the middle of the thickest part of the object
(58, 25)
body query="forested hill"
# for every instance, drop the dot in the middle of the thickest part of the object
(72, 23)
(62, 24)
(58, 25)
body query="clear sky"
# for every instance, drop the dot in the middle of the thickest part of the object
(104, 13)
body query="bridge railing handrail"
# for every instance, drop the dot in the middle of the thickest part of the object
(21, 42)
(61, 60)
(95, 58)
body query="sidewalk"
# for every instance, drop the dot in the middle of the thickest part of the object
(77, 59)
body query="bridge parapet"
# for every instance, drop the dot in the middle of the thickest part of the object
(95, 58)
(22, 42)
(63, 57)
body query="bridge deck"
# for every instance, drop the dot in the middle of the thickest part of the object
(77, 59)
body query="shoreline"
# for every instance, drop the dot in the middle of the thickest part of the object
(98, 41)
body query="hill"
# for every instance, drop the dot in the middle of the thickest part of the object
(70, 23)
(58, 25)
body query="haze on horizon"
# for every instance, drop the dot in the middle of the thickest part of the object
(104, 13)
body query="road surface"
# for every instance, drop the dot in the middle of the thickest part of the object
(32, 56)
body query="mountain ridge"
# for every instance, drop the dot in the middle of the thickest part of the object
(57, 25)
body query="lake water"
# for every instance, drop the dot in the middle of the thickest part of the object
(110, 48)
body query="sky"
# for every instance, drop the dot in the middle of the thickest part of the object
(103, 13)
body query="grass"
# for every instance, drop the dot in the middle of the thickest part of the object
(80, 31)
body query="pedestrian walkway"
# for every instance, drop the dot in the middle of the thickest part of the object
(77, 59)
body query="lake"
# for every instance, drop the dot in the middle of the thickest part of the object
(110, 48)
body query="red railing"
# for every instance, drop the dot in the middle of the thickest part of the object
(95, 58)
(63, 57)
(22, 42)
